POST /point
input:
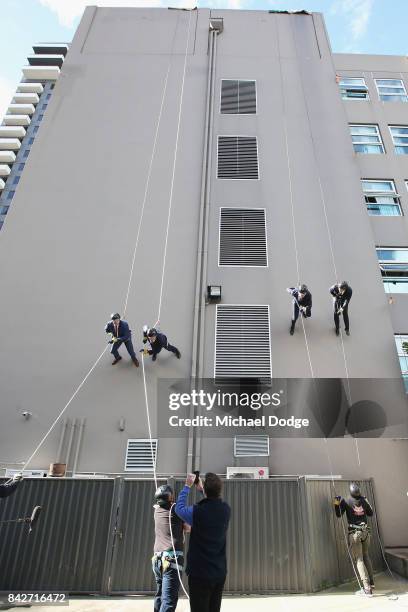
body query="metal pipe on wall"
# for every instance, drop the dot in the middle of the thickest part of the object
(78, 445)
(62, 438)
(71, 437)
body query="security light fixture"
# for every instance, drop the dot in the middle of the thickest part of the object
(214, 293)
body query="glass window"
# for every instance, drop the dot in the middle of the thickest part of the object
(16, 180)
(44, 106)
(353, 89)
(4, 210)
(20, 167)
(26, 153)
(366, 138)
(401, 341)
(394, 269)
(391, 90)
(48, 96)
(30, 141)
(399, 135)
(36, 128)
(381, 198)
(40, 116)
(10, 195)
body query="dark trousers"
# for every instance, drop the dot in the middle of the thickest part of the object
(167, 587)
(345, 318)
(296, 311)
(205, 596)
(168, 347)
(129, 347)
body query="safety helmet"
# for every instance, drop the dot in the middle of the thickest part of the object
(355, 490)
(303, 288)
(152, 332)
(162, 495)
(115, 315)
(343, 285)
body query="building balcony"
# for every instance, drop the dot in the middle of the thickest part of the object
(2, 184)
(25, 98)
(21, 109)
(30, 88)
(12, 131)
(46, 60)
(41, 73)
(9, 144)
(16, 120)
(7, 157)
(50, 48)
(4, 170)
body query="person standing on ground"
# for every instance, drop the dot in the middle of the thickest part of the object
(206, 557)
(357, 510)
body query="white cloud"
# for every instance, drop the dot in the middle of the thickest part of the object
(357, 12)
(68, 10)
(6, 93)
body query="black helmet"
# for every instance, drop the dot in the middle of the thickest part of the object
(152, 332)
(162, 495)
(303, 288)
(115, 315)
(343, 285)
(355, 490)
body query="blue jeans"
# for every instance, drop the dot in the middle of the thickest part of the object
(167, 587)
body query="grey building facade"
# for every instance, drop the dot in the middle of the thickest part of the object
(285, 168)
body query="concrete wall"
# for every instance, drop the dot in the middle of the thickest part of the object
(67, 245)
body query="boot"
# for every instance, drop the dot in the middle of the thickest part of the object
(116, 360)
(135, 361)
(292, 328)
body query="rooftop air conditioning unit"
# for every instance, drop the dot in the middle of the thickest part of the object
(26, 473)
(253, 473)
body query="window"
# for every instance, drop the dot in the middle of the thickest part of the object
(35, 129)
(26, 153)
(353, 89)
(366, 138)
(399, 135)
(242, 237)
(251, 446)
(40, 116)
(238, 97)
(44, 106)
(16, 180)
(49, 96)
(30, 141)
(10, 195)
(20, 167)
(381, 198)
(391, 90)
(139, 456)
(401, 340)
(237, 157)
(394, 269)
(4, 210)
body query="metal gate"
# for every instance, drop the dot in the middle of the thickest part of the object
(96, 536)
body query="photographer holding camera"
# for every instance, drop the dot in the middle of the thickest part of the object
(206, 557)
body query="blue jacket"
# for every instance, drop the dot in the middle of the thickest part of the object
(209, 519)
(124, 331)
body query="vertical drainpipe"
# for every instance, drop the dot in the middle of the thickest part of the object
(71, 437)
(61, 442)
(193, 443)
(78, 446)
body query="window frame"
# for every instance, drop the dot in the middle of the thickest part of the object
(256, 97)
(404, 373)
(345, 87)
(391, 95)
(396, 145)
(362, 142)
(391, 194)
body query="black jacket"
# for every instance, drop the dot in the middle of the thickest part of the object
(206, 558)
(305, 301)
(357, 510)
(341, 300)
(7, 489)
(124, 333)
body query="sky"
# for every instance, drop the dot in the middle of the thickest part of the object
(354, 26)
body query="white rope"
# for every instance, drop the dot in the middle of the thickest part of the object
(149, 172)
(148, 423)
(175, 558)
(174, 169)
(65, 407)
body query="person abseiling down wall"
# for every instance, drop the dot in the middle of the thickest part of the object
(341, 293)
(206, 557)
(302, 301)
(357, 510)
(165, 558)
(8, 488)
(120, 333)
(157, 342)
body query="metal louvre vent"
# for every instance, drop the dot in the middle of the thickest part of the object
(242, 343)
(251, 446)
(242, 237)
(139, 455)
(238, 97)
(237, 157)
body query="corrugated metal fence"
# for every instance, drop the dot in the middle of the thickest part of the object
(96, 536)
